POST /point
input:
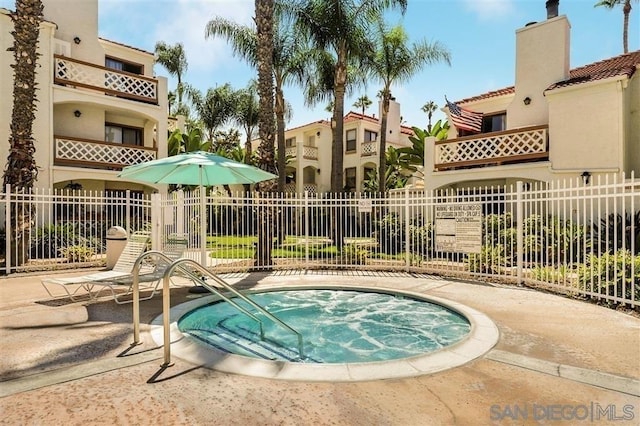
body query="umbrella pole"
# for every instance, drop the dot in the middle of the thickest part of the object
(203, 223)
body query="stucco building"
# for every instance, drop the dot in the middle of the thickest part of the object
(308, 148)
(555, 122)
(100, 107)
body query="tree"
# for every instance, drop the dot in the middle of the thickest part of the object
(413, 156)
(626, 10)
(429, 108)
(288, 63)
(215, 108)
(363, 102)
(341, 26)
(246, 115)
(20, 171)
(174, 59)
(394, 178)
(394, 62)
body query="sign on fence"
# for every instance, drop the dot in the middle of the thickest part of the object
(459, 228)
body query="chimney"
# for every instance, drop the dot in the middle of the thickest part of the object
(552, 8)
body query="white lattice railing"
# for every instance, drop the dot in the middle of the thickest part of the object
(369, 148)
(492, 148)
(83, 74)
(308, 152)
(311, 188)
(70, 151)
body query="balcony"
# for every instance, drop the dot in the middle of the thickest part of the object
(308, 152)
(98, 154)
(491, 149)
(71, 72)
(369, 148)
(311, 188)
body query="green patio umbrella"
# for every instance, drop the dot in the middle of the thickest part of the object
(196, 168)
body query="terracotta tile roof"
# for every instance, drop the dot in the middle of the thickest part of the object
(617, 66)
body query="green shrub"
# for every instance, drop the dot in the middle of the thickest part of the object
(611, 274)
(78, 253)
(489, 260)
(550, 274)
(354, 254)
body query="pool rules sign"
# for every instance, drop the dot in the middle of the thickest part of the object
(459, 228)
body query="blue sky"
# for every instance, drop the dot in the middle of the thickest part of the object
(480, 34)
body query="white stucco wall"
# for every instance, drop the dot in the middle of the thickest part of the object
(632, 125)
(585, 127)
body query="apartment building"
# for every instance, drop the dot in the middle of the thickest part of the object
(100, 107)
(555, 122)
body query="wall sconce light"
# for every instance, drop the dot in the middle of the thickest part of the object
(318, 133)
(527, 100)
(318, 170)
(76, 40)
(586, 176)
(77, 113)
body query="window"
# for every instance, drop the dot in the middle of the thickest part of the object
(117, 64)
(122, 134)
(370, 136)
(289, 142)
(350, 179)
(494, 122)
(311, 140)
(351, 140)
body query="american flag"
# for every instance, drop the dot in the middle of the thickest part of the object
(464, 118)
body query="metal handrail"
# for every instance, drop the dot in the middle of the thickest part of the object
(180, 265)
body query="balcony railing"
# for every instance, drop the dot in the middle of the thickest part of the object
(98, 154)
(72, 72)
(308, 152)
(369, 148)
(311, 188)
(512, 146)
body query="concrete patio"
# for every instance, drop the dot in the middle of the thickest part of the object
(557, 361)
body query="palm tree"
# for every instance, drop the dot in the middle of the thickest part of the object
(413, 156)
(289, 59)
(246, 115)
(626, 10)
(174, 59)
(394, 62)
(341, 26)
(215, 108)
(363, 102)
(20, 171)
(266, 126)
(429, 108)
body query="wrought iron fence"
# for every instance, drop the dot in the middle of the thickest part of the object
(566, 236)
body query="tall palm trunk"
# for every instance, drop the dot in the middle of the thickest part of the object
(264, 29)
(626, 9)
(20, 171)
(382, 167)
(337, 153)
(279, 110)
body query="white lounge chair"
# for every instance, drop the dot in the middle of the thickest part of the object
(135, 246)
(152, 271)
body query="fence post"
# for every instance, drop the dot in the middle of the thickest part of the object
(306, 228)
(407, 253)
(203, 226)
(519, 231)
(127, 212)
(156, 213)
(7, 230)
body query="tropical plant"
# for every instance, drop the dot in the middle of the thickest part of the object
(429, 108)
(616, 232)
(246, 115)
(363, 103)
(413, 156)
(341, 28)
(215, 107)
(626, 10)
(21, 171)
(394, 178)
(174, 59)
(266, 127)
(616, 274)
(394, 61)
(489, 261)
(190, 141)
(288, 62)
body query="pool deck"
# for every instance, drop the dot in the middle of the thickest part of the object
(557, 361)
